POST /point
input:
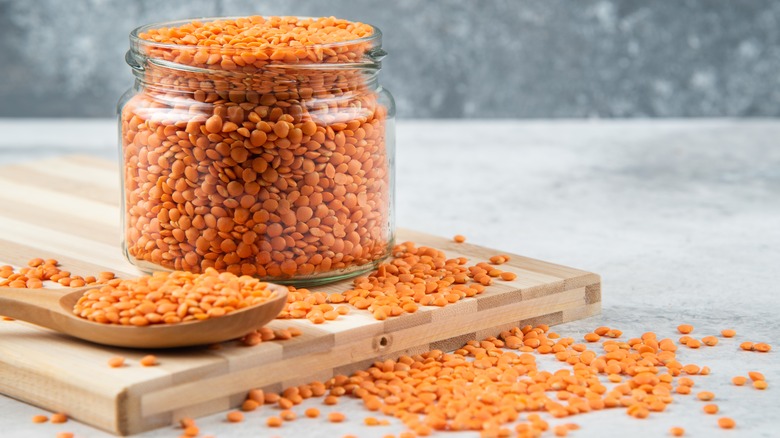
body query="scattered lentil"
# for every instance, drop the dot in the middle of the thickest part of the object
(592, 337)
(693, 343)
(235, 417)
(191, 430)
(249, 405)
(149, 360)
(762, 347)
(709, 341)
(336, 417)
(726, 423)
(116, 362)
(760, 384)
(685, 328)
(711, 409)
(59, 418)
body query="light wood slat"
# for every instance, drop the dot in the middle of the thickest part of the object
(52, 202)
(62, 244)
(68, 209)
(93, 162)
(88, 175)
(64, 221)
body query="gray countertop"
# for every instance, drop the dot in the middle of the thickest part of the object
(680, 217)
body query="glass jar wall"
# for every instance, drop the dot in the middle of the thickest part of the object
(257, 146)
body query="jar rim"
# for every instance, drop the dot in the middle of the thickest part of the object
(375, 37)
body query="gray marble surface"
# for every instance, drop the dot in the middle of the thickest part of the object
(681, 219)
(453, 58)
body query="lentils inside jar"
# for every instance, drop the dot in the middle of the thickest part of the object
(257, 146)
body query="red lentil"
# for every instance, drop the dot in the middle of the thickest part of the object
(762, 347)
(235, 417)
(257, 396)
(59, 418)
(336, 417)
(116, 362)
(711, 409)
(705, 396)
(693, 343)
(148, 360)
(726, 423)
(709, 340)
(728, 333)
(685, 328)
(592, 337)
(677, 431)
(191, 430)
(40, 419)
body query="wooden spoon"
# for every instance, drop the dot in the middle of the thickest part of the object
(53, 308)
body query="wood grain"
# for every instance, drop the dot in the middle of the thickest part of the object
(68, 209)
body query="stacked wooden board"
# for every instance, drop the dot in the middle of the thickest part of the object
(68, 209)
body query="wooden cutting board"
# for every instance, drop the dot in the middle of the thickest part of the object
(68, 209)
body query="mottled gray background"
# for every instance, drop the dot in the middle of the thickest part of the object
(482, 59)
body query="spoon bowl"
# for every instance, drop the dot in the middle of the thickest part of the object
(53, 309)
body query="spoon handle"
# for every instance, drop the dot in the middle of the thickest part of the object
(36, 306)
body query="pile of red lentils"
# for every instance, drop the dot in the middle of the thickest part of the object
(496, 387)
(264, 154)
(414, 276)
(171, 297)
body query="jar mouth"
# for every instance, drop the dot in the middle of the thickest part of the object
(374, 40)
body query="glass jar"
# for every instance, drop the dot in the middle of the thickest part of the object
(275, 162)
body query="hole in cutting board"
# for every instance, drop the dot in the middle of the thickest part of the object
(382, 342)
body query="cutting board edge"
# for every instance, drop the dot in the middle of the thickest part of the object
(103, 412)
